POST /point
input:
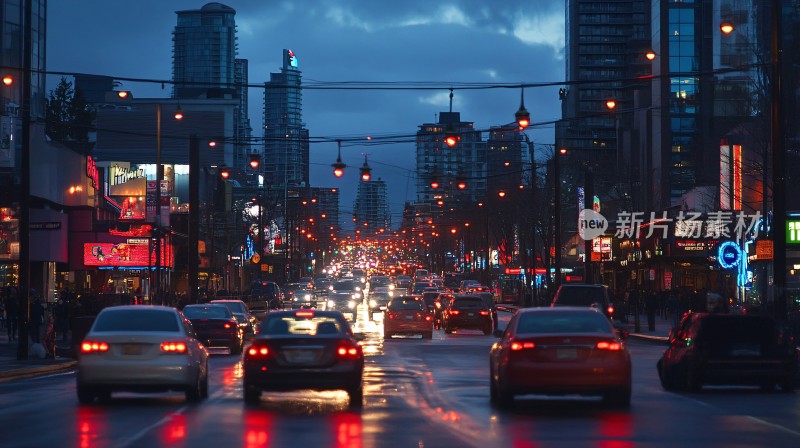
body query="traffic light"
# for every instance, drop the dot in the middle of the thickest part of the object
(224, 173)
(365, 171)
(451, 137)
(8, 80)
(339, 166)
(254, 160)
(611, 104)
(523, 117)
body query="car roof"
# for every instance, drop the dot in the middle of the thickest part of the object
(561, 309)
(291, 313)
(140, 307)
(225, 301)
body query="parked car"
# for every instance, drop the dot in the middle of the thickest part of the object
(304, 349)
(141, 349)
(728, 349)
(407, 315)
(467, 312)
(559, 351)
(594, 296)
(215, 326)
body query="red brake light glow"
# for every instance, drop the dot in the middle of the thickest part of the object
(516, 346)
(348, 351)
(484, 313)
(428, 318)
(227, 325)
(173, 347)
(93, 347)
(613, 346)
(610, 309)
(454, 312)
(305, 314)
(258, 351)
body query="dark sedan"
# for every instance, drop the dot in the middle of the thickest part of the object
(215, 326)
(467, 312)
(304, 350)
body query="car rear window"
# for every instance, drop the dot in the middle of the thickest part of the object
(206, 312)
(406, 304)
(549, 323)
(136, 320)
(468, 302)
(346, 285)
(579, 296)
(290, 325)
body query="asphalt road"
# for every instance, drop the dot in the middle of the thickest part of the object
(417, 393)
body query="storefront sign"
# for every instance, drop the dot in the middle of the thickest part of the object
(667, 280)
(91, 172)
(792, 232)
(729, 255)
(124, 254)
(133, 208)
(45, 225)
(764, 250)
(120, 174)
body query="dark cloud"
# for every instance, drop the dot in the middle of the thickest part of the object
(345, 40)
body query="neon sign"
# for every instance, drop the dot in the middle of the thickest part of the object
(729, 255)
(91, 172)
(124, 254)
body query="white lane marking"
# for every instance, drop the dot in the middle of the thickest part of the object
(753, 418)
(155, 425)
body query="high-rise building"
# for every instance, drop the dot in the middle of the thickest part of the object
(371, 207)
(243, 129)
(204, 51)
(449, 166)
(505, 153)
(285, 136)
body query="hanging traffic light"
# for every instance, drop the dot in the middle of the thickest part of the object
(365, 171)
(451, 137)
(178, 113)
(339, 166)
(461, 182)
(224, 173)
(8, 80)
(611, 104)
(254, 160)
(435, 182)
(523, 117)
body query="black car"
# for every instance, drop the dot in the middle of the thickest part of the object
(595, 296)
(263, 296)
(304, 349)
(440, 304)
(215, 326)
(467, 312)
(728, 349)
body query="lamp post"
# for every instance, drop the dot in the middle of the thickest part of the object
(24, 282)
(778, 164)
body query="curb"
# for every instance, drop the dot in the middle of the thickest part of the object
(33, 371)
(648, 338)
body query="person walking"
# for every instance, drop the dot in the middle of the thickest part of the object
(12, 312)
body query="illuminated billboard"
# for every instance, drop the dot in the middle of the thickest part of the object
(123, 254)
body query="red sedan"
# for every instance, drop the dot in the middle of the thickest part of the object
(407, 315)
(560, 351)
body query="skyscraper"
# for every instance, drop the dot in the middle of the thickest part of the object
(285, 135)
(243, 129)
(436, 161)
(371, 207)
(204, 51)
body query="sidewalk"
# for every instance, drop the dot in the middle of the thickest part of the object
(12, 368)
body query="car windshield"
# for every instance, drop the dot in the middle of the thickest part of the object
(379, 281)
(550, 323)
(137, 320)
(406, 303)
(235, 307)
(344, 285)
(206, 312)
(291, 325)
(468, 303)
(579, 296)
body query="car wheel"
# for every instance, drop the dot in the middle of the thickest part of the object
(621, 397)
(85, 394)
(504, 398)
(427, 335)
(251, 394)
(194, 393)
(356, 396)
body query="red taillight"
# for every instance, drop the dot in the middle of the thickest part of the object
(227, 325)
(173, 347)
(93, 347)
(392, 315)
(613, 346)
(428, 318)
(517, 346)
(484, 313)
(454, 312)
(258, 351)
(305, 314)
(610, 310)
(348, 351)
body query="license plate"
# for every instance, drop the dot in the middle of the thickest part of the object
(301, 356)
(470, 314)
(567, 353)
(409, 317)
(132, 349)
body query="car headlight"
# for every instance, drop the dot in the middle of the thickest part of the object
(372, 303)
(363, 280)
(351, 304)
(330, 288)
(331, 304)
(307, 297)
(295, 299)
(391, 287)
(356, 296)
(391, 293)
(358, 288)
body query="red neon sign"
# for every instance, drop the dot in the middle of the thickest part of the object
(124, 254)
(91, 172)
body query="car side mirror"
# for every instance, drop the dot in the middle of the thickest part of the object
(498, 333)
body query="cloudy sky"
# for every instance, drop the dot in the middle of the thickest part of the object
(451, 41)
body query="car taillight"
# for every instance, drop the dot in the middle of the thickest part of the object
(305, 314)
(93, 347)
(229, 324)
(258, 351)
(173, 347)
(454, 312)
(348, 351)
(428, 318)
(484, 313)
(517, 346)
(392, 315)
(613, 346)
(610, 310)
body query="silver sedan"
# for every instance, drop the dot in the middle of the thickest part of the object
(141, 349)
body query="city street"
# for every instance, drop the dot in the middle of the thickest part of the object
(417, 393)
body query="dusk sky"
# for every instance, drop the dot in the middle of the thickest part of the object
(345, 40)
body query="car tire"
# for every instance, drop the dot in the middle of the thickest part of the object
(194, 393)
(251, 394)
(427, 335)
(504, 399)
(356, 397)
(86, 394)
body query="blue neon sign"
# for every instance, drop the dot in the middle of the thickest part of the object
(729, 255)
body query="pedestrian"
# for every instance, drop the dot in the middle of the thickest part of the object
(37, 317)
(12, 312)
(651, 305)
